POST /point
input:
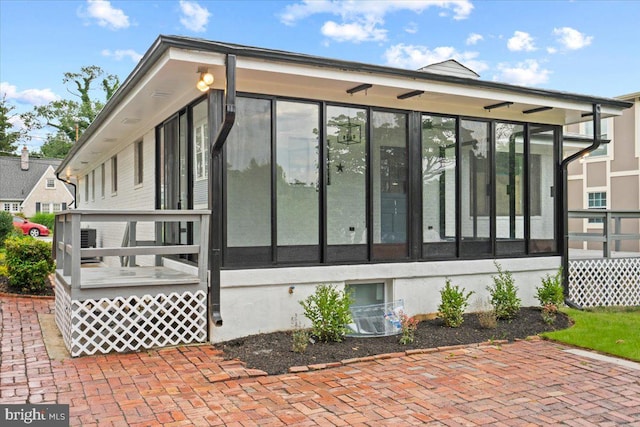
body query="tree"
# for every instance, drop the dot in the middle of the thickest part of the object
(9, 137)
(70, 117)
(56, 146)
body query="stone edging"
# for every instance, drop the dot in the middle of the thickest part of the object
(318, 366)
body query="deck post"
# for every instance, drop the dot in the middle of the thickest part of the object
(75, 250)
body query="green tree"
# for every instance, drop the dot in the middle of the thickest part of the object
(9, 136)
(56, 146)
(71, 117)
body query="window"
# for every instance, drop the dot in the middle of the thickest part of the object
(366, 293)
(298, 204)
(542, 218)
(86, 188)
(7, 207)
(102, 180)
(248, 183)
(509, 180)
(56, 207)
(15, 207)
(114, 174)
(93, 185)
(390, 185)
(201, 146)
(138, 163)
(597, 200)
(438, 185)
(51, 183)
(346, 181)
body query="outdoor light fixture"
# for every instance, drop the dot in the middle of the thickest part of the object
(206, 79)
(501, 104)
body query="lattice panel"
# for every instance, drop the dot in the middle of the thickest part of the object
(63, 314)
(137, 322)
(605, 282)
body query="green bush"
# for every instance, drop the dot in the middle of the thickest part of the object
(6, 226)
(551, 291)
(46, 219)
(29, 264)
(453, 302)
(504, 294)
(328, 311)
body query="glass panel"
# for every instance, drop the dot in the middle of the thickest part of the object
(476, 180)
(248, 152)
(389, 139)
(509, 144)
(541, 189)
(438, 178)
(346, 175)
(366, 293)
(297, 173)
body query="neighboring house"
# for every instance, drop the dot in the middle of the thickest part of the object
(609, 177)
(316, 170)
(29, 185)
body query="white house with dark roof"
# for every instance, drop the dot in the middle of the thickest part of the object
(29, 185)
(288, 171)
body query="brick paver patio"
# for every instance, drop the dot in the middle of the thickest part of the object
(525, 383)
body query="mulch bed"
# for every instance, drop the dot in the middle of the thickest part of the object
(6, 289)
(273, 352)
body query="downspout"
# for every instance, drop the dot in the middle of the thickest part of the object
(75, 188)
(565, 205)
(215, 188)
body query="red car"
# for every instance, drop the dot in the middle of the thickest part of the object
(31, 228)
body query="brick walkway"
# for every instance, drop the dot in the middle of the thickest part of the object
(526, 383)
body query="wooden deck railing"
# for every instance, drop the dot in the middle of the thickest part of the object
(611, 222)
(68, 252)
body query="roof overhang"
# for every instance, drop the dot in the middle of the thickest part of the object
(164, 81)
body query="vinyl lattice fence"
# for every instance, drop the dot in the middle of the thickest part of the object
(605, 282)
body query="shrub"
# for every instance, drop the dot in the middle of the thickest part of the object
(328, 311)
(46, 219)
(485, 314)
(29, 264)
(6, 226)
(300, 336)
(453, 302)
(551, 291)
(503, 294)
(408, 326)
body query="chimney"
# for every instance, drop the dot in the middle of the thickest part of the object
(24, 159)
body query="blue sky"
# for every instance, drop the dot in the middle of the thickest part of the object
(588, 47)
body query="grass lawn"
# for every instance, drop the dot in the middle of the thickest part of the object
(614, 331)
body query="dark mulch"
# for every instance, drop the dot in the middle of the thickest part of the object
(5, 288)
(273, 352)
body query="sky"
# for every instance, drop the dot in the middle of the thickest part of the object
(588, 47)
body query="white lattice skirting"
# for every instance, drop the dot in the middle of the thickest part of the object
(605, 282)
(124, 324)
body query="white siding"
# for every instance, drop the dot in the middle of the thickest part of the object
(128, 196)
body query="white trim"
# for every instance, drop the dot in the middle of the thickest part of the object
(39, 181)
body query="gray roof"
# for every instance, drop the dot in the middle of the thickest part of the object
(15, 183)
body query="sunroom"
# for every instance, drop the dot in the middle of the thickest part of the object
(323, 171)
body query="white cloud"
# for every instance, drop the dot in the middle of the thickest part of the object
(362, 20)
(120, 54)
(521, 41)
(411, 28)
(27, 96)
(527, 73)
(572, 39)
(552, 50)
(474, 38)
(354, 32)
(106, 15)
(194, 17)
(415, 57)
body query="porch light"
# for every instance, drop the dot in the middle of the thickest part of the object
(206, 80)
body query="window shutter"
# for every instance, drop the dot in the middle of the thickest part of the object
(64, 206)
(37, 207)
